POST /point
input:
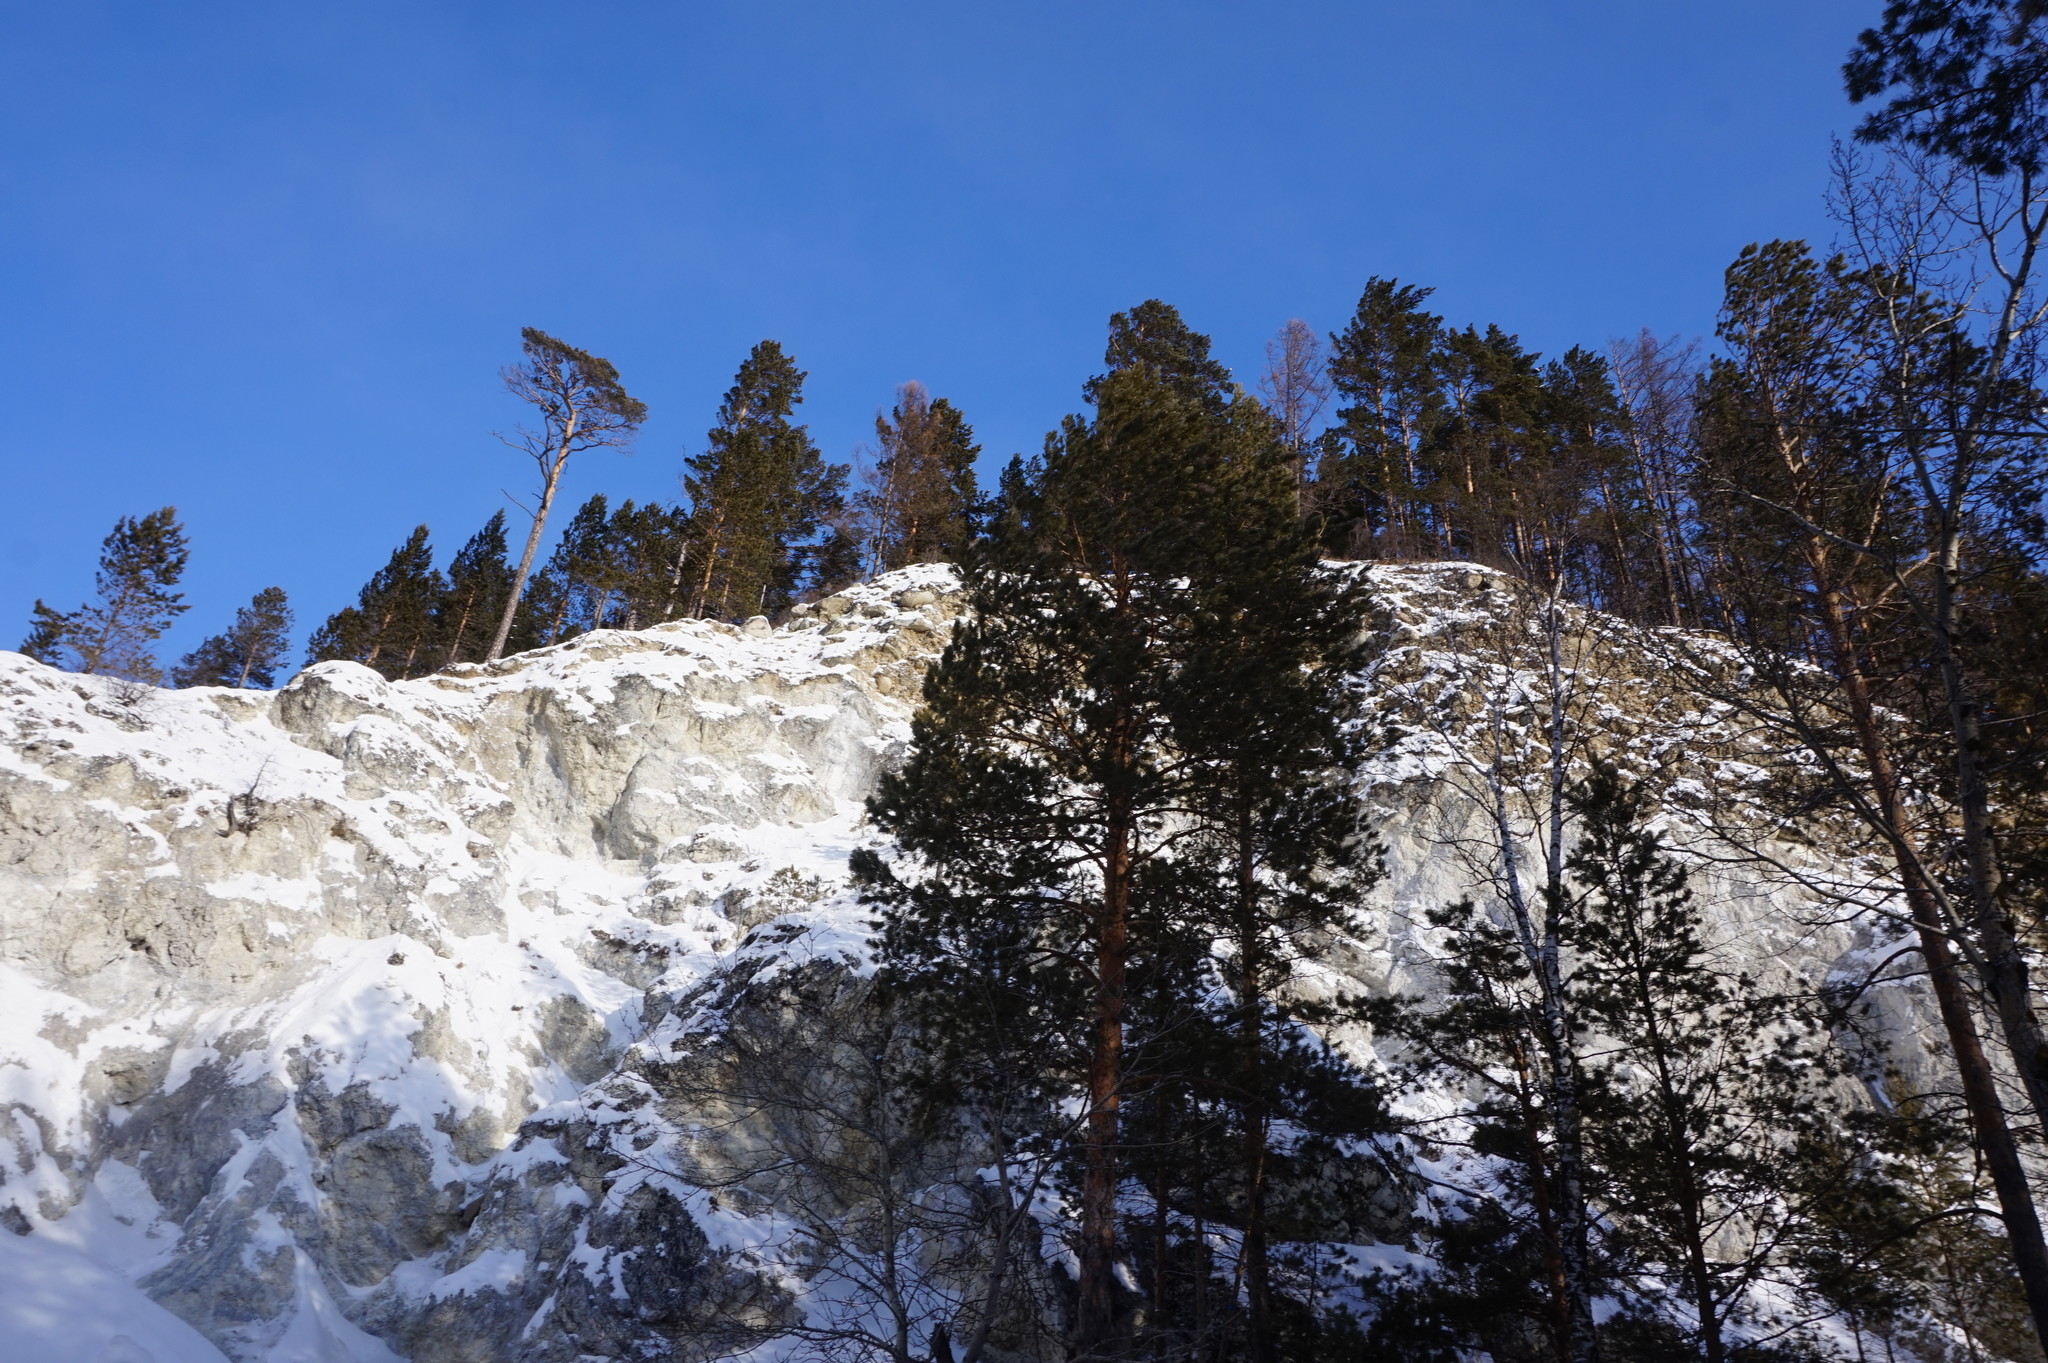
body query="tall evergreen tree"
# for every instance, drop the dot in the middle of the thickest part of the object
(759, 493)
(479, 584)
(1040, 799)
(1152, 339)
(1375, 472)
(650, 553)
(1262, 705)
(391, 626)
(581, 405)
(569, 590)
(141, 561)
(920, 503)
(1819, 498)
(1701, 1089)
(249, 653)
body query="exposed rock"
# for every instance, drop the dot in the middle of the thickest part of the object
(334, 990)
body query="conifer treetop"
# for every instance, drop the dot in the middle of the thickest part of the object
(1971, 77)
(1153, 337)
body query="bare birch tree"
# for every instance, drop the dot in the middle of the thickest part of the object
(1296, 387)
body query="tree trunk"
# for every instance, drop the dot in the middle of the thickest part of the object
(540, 520)
(1251, 1002)
(1979, 1083)
(2004, 969)
(1095, 1322)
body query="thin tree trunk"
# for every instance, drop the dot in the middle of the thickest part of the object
(2004, 968)
(1251, 1002)
(1980, 1087)
(540, 520)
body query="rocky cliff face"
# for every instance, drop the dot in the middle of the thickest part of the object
(314, 1004)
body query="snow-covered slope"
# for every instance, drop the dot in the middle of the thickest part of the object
(313, 1003)
(282, 976)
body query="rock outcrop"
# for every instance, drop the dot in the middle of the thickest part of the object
(312, 1002)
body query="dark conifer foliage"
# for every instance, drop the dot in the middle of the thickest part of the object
(623, 569)
(1703, 1091)
(45, 639)
(1461, 444)
(249, 653)
(391, 626)
(759, 494)
(1968, 81)
(1370, 487)
(559, 603)
(141, 561)
(1152, 339)
(1142, 582)
(479, 583)
(1901, 1242)
(838, 563)
(921, 499)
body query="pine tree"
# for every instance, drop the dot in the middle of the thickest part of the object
(391, 626)
(479, 583)
(1043, 770)
(249, 653)
(582, 406)
(1821, 477)
(1700, 1089)
(1967, 80)
(1262, 705)
(921, 501)
(1153, 339)
(567, 590)
(1374, 473)
(1901, 1237)
(1503, 1280)
(651, 550)
(141, 561)
(759, 493)
(838, 564)
(47, 630)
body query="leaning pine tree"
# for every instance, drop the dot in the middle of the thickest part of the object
(580, 405)
(1043, 803)
(141, 560)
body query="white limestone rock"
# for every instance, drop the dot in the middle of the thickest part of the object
(318, 1007)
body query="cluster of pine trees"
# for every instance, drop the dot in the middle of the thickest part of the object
(141, 563)
(767, 519)
(1113, 855)
(1125, 829)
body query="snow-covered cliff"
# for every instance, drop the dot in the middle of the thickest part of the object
(312, 1003)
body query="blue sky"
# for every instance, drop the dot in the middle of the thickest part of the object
(263, 260)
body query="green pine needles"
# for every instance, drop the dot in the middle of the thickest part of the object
(1124, 813)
